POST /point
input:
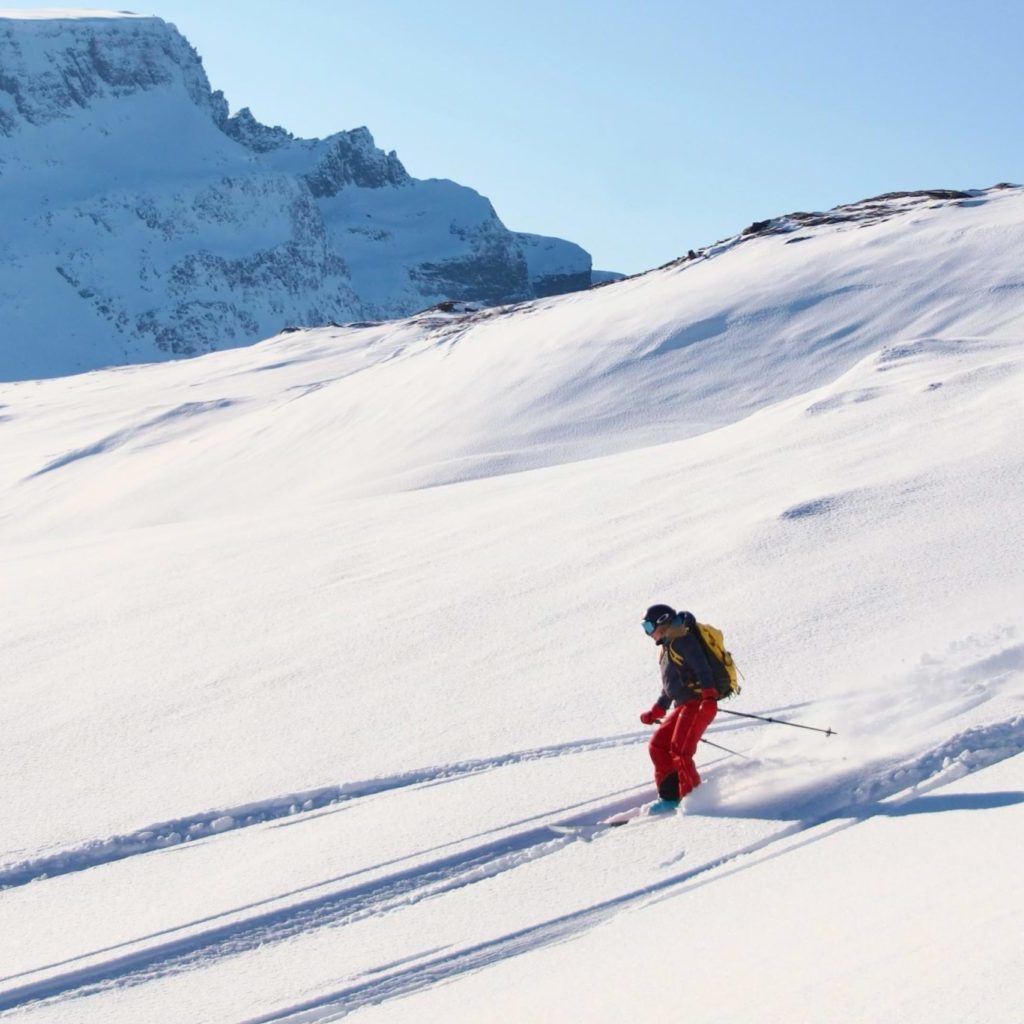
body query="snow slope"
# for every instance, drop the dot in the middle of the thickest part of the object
(307, 644)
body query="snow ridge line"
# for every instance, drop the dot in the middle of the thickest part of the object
(122, 437)
(213, 822)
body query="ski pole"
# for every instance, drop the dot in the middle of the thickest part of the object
(780, 721)
(735, 753)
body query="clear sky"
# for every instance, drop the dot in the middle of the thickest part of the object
(639, 129)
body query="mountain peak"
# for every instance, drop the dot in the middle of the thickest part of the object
(57, 65)
(152, 224)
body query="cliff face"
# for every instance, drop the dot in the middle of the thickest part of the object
(52, 68)
(141, 221)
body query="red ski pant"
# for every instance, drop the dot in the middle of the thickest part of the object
(675, 742)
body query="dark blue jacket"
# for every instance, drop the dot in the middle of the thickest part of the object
(685, 670)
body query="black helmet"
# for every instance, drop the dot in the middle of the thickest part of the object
(658, 615)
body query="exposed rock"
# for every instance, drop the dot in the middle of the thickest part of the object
(245, 129)
(353, 159)
(150, 223)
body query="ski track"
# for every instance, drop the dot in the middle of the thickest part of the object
(894, 788)
(902, 785)
(336, 908)
(213, 822)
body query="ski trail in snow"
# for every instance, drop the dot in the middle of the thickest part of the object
(975, 749)
(336, 908)
(213, 822)
(962, 754)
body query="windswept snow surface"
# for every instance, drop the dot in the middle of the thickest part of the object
(306, 645)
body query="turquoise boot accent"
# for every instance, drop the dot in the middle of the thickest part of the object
(663, 807)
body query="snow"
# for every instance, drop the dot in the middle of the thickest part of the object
(824, 939)
(307, 644)
(65, 14)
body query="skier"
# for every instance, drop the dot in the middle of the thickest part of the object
(686, 680)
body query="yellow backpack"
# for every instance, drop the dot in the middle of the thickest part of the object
(722, 666)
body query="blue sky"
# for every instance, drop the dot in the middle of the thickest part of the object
(639, 130)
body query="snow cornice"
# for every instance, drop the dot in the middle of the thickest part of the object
(71, 14)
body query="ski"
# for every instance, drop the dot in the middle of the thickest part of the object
(589, 829)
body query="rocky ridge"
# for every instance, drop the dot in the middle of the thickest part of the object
(144, 221)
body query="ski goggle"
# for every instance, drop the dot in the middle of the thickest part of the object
(650, 627)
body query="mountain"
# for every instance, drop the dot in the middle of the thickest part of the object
(306, 644)
(143, 222)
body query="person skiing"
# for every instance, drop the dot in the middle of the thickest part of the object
(688, 682)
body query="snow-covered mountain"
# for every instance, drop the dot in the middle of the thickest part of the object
(141, 221)
(307, 644)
